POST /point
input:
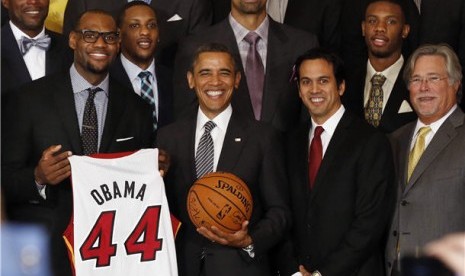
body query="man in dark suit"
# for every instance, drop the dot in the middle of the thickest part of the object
(247, 148)
(384, 29)
(429, 156)
(277, 47)
(342, 182)
(46, 123)
(139, 40)
(176, 19)
(435, 21)
(47, 57)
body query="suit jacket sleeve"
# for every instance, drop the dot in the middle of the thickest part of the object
(18, 157)
(374, 205)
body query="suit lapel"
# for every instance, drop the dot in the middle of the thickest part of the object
(440, 140)
(234, 140)
(52, 55)
(164, 95)
(64, 102)
(187, 133)
(397, 96)
(302, 145)
(10, 51)
(116, 108)
(335, 145)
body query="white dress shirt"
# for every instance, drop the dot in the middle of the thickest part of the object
(434, 128)
(35, 57)
(217, 133)
(329, 127)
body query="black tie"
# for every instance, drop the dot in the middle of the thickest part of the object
(89, 133)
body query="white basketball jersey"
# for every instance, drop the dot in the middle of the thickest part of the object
(122, 222)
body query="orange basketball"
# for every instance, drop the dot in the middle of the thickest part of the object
(221, 199)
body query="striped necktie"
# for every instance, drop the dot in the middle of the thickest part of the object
(205, 151)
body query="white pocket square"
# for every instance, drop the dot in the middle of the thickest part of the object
(124, 139)
(175, 17)
(405, 107)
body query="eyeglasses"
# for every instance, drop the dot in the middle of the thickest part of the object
(90, 36)
(433, 80)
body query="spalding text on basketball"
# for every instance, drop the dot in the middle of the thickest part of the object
(230, 188)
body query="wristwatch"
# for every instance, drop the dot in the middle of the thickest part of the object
(250, 250)
(316, 273)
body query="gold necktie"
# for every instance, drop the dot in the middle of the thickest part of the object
(374, 107)
(417, 150)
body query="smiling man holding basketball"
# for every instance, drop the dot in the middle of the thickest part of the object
(215, 138)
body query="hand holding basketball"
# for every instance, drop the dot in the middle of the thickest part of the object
(239, 239)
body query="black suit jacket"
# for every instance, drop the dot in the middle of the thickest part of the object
(281, 104)
(192, 15)
(391, 119)
(324, 21)
(43, 114)
(253, 152)
(164, 84)
(339, 225)
(14, 70)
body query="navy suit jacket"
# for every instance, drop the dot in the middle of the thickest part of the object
(164, 84)
(339, 225)
(281, 105)
(43, 114)
(14, 71)
(252, 151)
(176, 19)
(391, 119)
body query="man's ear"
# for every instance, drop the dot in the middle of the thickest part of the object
(190, 79)
(342, 88)
(237, 81)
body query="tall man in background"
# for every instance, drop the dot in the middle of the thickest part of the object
(377, 91)
(136, 66)
(29, 51)
(264, 51)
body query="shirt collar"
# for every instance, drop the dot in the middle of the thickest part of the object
(17, 33)
(330, 125)
(240, 31)
(80, 84)
(133, 70)
(435, 125)
(221, 120)
(390, 73)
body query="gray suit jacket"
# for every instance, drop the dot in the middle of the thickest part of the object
(281, 104)
(432, 203)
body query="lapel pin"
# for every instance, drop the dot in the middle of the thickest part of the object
(237, 139)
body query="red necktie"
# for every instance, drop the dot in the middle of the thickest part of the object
(315, 155)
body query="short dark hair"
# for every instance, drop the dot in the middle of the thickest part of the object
(129, 5)
(95, 11)
(400, 3)
(321, 53)
(212, 47)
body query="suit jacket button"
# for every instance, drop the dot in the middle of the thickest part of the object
(404, 203)
(394, 233)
